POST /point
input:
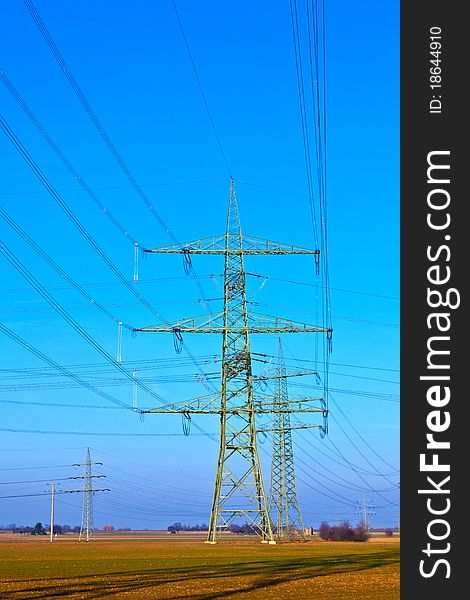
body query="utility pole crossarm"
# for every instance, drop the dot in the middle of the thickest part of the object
(257, 323)
(217, 245)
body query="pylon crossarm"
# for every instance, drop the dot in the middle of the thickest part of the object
(257, 323)
(290, 407)
(211, 406)
(293, 401)
(217, 245)
(283, 376)
(210, 245)
(256, 245)
(273, 427)
(204, 405)
(190, 324)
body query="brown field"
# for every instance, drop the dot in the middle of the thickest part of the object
(164, 567)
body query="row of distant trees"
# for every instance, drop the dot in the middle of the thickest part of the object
(180, 527)
(40, 529)
(242, 529)
(343, 532)
(338, 533)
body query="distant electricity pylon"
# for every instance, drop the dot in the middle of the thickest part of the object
(285, 512)
(87, 527)
(364, 510)
(239, 491)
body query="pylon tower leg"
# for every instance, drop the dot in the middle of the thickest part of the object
(238, 490)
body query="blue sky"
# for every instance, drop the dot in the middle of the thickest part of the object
(132, 64)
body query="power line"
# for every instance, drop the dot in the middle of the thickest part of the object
(395, 398)
(58, 152)
(201, 90)
(15, 262)
(360, 476)
(34, 480)
(70, 215)
(14, 225)
(35, 168)
(16, 338)
(113, 283)
(59, 405)
(345, 482)
(343, 318)
(102, 367)
(91, 113)
(303, 114)
(166, 362)
(25, 495)
(211, 276)
(371, 448)
(121, 187)
(36, 467)
(285, 193)
(343, 463)
(308, 284)
(36, 309)
(95, 433)
(152, 468)
(309, 360)
(99, 126)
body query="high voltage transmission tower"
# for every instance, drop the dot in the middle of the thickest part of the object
(87, 527)
(364, 510)
(239, 491)
(284, 505)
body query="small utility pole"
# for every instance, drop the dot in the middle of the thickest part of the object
(52, 509)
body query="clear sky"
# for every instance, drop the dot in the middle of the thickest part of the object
(131, 62)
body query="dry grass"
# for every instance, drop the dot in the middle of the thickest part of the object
(174, 569)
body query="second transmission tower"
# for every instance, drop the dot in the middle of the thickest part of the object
(284, 505)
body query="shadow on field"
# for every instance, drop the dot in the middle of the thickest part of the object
(226, 579)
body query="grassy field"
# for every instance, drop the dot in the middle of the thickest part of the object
(172, 569)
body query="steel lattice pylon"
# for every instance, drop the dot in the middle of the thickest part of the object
(285, 512)
(238, 490)
(87, 527)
